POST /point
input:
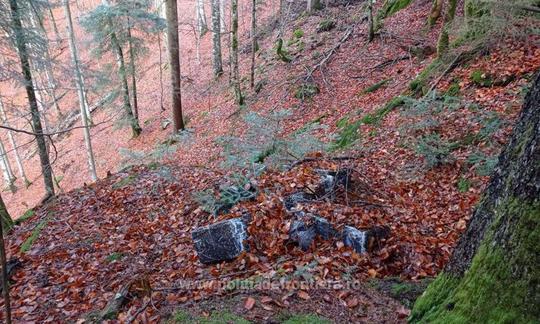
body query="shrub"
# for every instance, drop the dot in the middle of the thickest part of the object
(463, 185)
(306, 91)
(348, 134)
(481, 79)
(298, 33)
(484, 164)
(435, 150)
(326, 25)
(265, 143)
(237, 189)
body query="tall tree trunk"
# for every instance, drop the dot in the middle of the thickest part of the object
(133, 74)
(202, 26)
(222, 24)
(53, 22)
(371, 27)
(37, 23)
(80, 91)
(234, 54)
(122, 75)
(174, 62)
(443, 41)
(120, 62)
(11, 138)
(4, 215)
(494, 271)
(253, 42)
(217, 62)
(435, 13)
(36, 122)
(313, 5)
(9, 177)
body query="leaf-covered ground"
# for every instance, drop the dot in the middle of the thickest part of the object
(91, 241)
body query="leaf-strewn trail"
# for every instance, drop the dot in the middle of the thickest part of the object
(137, 223)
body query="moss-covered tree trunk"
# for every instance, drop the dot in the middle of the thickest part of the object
(443, 41)
(494, 273)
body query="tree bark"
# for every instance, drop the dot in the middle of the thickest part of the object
(313, 5)
(217, 61)
(36, 122)
(7, 172)
(494, 271)
(174, 62)
(253, 42)
(11, 138)
(4, 215)
(435, 13)
(371, 27)
(202, 26)
(120, 62)
(133, 75)
(222, 24)
(443, 41)
(239, 99)
(80, 91)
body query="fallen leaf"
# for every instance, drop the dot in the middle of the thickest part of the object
(249, 303)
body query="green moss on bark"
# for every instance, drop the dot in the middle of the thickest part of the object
(501, 285)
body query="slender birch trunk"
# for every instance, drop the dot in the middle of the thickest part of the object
(202, 26)
(80, 91)
(222, 24)
(11, 139)
(216, 38)
(36, 122)
(7, 172)
(37, 24)
(239, 99)
(174, 62)
(53, 23)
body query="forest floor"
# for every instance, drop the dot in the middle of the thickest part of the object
(133, 227)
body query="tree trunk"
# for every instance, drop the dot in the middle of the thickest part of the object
(234, 54)
(4, 215)
(217, 62)
(435, 13)
(371, 27)
(121, 63)
(36, 122)
(222, 24)
(202, 26)
(80, 91)
(11, 138)
(443, 41)
(494, 271)
(9, 177)
(174, 62)
(53, 22)
(253, 42)
(313, 5)
(133, 75)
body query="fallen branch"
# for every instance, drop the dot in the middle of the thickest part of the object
(333, 50)
(133, 317)
(452, 65)
(115, 304)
